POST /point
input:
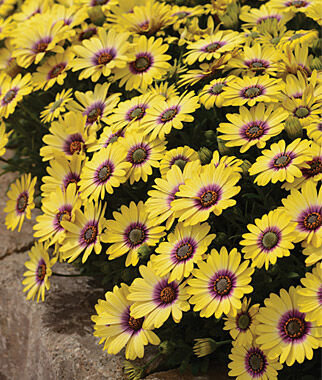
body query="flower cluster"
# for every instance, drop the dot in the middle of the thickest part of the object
(181, 144)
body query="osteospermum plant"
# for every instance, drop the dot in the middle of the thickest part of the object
(173, 153)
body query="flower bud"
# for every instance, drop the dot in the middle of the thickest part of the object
(210, 136)
(167, 347)
(96, 15)
(293, 127)
(221, 238)
(132, 371)
(316, 64)
(144, 251)
(205, 155)
(204, 347)
(223, 149)
(245, 167)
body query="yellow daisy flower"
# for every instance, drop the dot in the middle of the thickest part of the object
(106, 170)
(284, 332)
(242, 326)
(314, 131)
(6, 26)
(281, 162)
(184, 248)
(155, 298)
(39, 266)
(312, 170)
(249, 362)
(251, 90)
(105, 5)
(290, 5)
(163, 89)
(53, 70)
(132, 113)
(67, 135)
(169, 114)
(212, 46)
(54, 109)
(147, 62)
(208, 191)
(62, 172)
(108, 136)
(299, 37)
(296, 59)
(271, 237)
(314, 254)
(254, 17)
(213, 93)
(86, 32)
(21, 201)
(230, 161)
(101, 54)
(166, 188)
(179, 156)
(305, 208)
(130, 229)
(255, 60)
(95, 105)
(71, 15)
(84, 234)
(116, 327)
(30, 8)
(219, 283)
(58, 206)
(4, 138)
(12, 92)
(6, 7)
(142, 154)
(310, 296)
(36, 37)
(252, 127)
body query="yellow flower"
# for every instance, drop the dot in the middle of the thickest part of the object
(179, 156)
(147, 62)
(314, 131)
(254, 17)
(271, 237)
(155, 298)
(209, 190)
(213, 93)
(219, 283)
(314, 254)
(130, 229)
(54, 109)
(281, 162)
(284, 332)
(21, 201)
(39, 270)
(4, 138)
(116, 327)
(101, 54)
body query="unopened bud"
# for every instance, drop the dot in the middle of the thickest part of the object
(293, 127)
(316, 64)
(245, 167)
(221, 238)
(96, 15)
(167, 347)
(223, 149)
(144, 251)
(210, 136)
(205, 155)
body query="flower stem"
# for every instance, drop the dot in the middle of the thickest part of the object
(67, 275)
(152, 360)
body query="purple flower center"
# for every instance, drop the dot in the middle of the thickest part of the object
(252, 91)
(22, 203)
(99, 2)
(104, 172)
(217, 88)
(165, 293)
(257, 65)
(130, 324)
(70, 178)
(105, 56)
(282, 160)
(297, 3)
(314, 169)
(270, 17)
(312, 221)
(269, 239)
(89, 234)
(74, 144)
(135, 234)
(94, 112)
(9, 96)
(41, 271)
(211, 48)
(293, 326)
(243, 321)
(254, 130)
(142, 63)
(113, 137)
(87, 33)
(255, 362)
(208, 196)
(138, 154)
(222, 283)
(169, 114)
(56, 70)
(136, 112)
(184, 250)
(41, 45)
(64, 213)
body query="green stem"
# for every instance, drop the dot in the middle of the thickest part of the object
(67, 275)
(152, 360)
(223, 342)
(13, 165)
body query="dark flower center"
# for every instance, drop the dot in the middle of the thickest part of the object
(217, 88)
(180, 162)
(141, 64)
(75, 146)
(256, 362)
(297, 3)
(94, 114)
(136, 236)
(58, 69)
(40, 47)
(86, 34)
(104, 173)
(294, 328)
(137, 113)
(252, 92)
(139, 155)
(315, 168)
(302, 112)
(243, 321)
(282, 160)
(63, 215)
(184, 251)
(168, 294)
(270, 239)
(211, 48)
(312, 221)
(41, 272)
(104, 58)
(169, 114)
(296, 36)
(10, 95)
(135, 324)
(222, 285)
(89, 234)
(208, 198)
(254, 130)
(22, 202)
